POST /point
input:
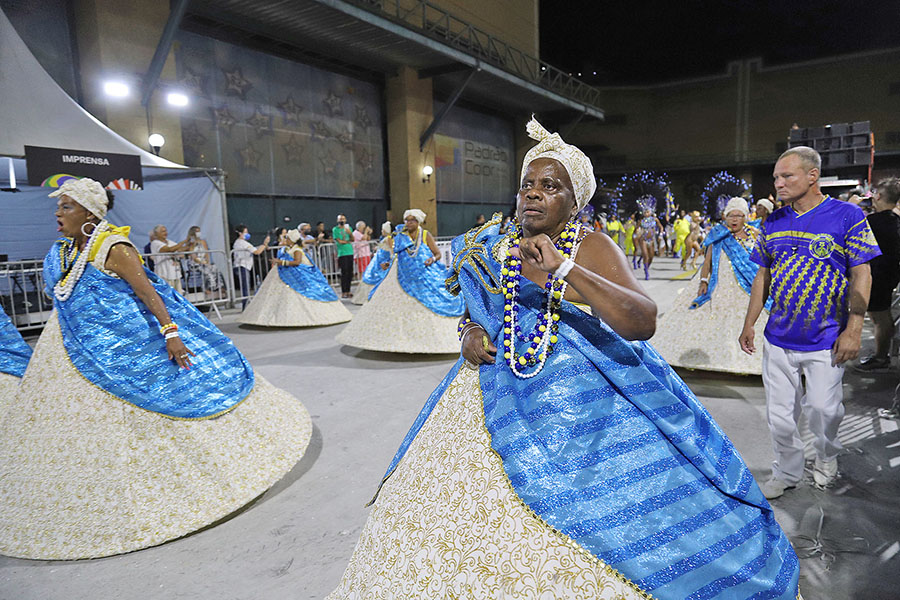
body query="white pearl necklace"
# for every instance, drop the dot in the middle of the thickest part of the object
(64, 287)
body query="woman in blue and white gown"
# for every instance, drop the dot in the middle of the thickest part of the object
(295, 293)
(14, 356)
(378, 266)
(137, 420)
(570, 462)
(701, 332)
(410, 310)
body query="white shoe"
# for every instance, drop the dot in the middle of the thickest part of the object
(825, 471)
(774, 488)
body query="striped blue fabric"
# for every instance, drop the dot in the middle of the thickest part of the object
(14, 352)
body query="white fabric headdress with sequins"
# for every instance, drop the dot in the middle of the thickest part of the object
(576, 162)
(417, 214)
(86, 192)
(734, 204)
(293, 235)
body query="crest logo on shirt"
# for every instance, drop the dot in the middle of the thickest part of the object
(821, 246)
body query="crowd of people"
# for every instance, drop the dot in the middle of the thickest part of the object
(564, 429)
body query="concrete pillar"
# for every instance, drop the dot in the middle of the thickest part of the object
(410, 109)
(116, 40)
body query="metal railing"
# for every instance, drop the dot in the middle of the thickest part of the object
(206, 278)
(445, 27)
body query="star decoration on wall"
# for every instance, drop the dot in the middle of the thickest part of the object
(293, 151)
(329, 164)
(346, 139)
(194, 82)
(260, 122)
(319, 130)
(236, 84)
(332, 103)
(250, 157)
(362, 119)
(192, 137)
(365, 159)
(224, 119)
(290, 111)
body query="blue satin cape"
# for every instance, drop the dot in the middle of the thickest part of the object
(306, 280)
(114, 341)
(14, 352)
(745, 270)
(610, 447)
(425, 284)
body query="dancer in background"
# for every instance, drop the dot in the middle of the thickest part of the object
(698, 332)
(647, 232)
(137, 420)
(14, 357)
(561, 457)
(692, 242)
(681, 228)
(630, 227)
(295, 293)
(411, 310)
(378, 267)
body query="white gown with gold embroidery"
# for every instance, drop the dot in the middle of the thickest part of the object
(448, 524)
(394, 321)
(707, 337)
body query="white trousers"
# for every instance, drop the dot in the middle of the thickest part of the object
(821, 399)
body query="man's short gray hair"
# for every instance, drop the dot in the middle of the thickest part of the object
(809, 157)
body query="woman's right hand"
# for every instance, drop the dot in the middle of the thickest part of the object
(702, 289)
(477, 348)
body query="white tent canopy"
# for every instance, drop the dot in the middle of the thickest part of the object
(34, 110)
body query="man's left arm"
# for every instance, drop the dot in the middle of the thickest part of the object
(847, 345)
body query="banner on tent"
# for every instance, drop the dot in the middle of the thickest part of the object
(52, 167)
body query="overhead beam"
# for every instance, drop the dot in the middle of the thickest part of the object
(443, 70)
(457, 55)
(446, 108)
(162, 49)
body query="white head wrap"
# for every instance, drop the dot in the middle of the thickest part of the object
(577, 164)
(386, 228)
(292, 235)
(765, 203)
(415, 213)
(86, 192)
(736, 204)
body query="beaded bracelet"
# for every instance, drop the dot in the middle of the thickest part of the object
(461, 326)
(167, 327)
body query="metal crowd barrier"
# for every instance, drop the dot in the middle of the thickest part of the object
(207, 279)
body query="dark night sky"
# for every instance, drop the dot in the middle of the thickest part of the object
(642, 42)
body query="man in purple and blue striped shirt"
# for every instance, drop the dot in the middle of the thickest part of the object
(813, 255)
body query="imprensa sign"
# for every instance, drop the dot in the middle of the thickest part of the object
(52, 167)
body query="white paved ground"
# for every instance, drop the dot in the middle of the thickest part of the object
(295, 540)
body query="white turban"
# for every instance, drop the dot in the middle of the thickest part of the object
(86, 192)
(293, 235)
(386, 228)
(736, 204)
(766, 204)
(577, 164)
(417, 214)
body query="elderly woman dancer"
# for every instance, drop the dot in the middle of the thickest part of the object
(561, 457)
(410, 310)
(377, 269)
(137, 421)
(14, 357)
(295, 293)
(696, 333)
